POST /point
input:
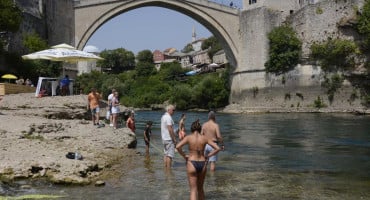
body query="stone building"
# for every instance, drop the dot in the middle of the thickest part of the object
(219, 57)
(88, 66)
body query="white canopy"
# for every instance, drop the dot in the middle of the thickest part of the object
(62, 52)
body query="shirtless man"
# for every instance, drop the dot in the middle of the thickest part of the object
(93, 104)
(211, 130)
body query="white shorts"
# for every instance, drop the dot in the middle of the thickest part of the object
(115, 110)
(95, 110)
(169, 148)
(208, 150)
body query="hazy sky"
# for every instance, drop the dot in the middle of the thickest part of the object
(150, 28)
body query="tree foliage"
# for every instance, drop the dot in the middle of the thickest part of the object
(145, 56)
(10, 19)
(202, 91)
(213, 44)
(144, 66)
(144, 69)
(33, 42)
(10, 16)
(118, 60)
(188, 48)
(169, 71)
(284, 51)
(335, 54)
(363, 24)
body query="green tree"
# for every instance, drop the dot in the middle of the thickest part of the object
(212, 43)
(335, 54)
(34, 68)
(145, 69)
(145, 66)
(209, 92)
(363, 24)
(145, 56)
(188, 48)
(10, 18)
(169, 71)
(33, 42)
(118, 60)
(284, 51)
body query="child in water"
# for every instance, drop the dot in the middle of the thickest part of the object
(147, 133)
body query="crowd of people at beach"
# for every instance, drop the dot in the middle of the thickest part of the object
(203, 141)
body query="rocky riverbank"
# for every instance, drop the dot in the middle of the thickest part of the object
(37, 133)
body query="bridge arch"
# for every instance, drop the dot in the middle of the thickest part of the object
(221, 21)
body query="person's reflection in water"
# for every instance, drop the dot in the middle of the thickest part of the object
(148, 163)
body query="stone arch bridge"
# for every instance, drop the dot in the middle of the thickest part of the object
(242, 33)
(221, 20)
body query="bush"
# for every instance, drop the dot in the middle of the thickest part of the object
(284, 51)
(332, 84)
(202, 91)
(210, 93)
(334, 55)
(363, 24)
(318, 103)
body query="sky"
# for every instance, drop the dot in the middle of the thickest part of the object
(150, 28)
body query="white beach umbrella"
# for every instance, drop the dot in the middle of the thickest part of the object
(62, 52)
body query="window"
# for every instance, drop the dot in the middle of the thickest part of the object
(252, 2)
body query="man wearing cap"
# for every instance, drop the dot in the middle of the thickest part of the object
(212, 130)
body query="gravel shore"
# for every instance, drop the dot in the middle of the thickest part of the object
(37, 133)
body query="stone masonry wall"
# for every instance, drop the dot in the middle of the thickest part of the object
(303, 85)
(324, 20)
(60, 21)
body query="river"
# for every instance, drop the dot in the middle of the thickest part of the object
(267, 156)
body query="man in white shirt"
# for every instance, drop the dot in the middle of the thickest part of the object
(168, 136)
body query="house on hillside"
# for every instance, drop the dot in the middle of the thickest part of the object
(201, 57)
(220, 57)
(197, 56)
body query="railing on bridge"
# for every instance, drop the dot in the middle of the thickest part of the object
(228, 3)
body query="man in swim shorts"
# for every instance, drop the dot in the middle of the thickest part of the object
(211, 130)
(93, 104)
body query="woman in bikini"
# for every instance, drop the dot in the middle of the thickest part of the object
(196, 162)
(182, 133)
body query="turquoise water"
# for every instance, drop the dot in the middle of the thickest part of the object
(267, 156)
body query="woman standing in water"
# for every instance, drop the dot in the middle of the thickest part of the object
(181, 132)
(196, 162)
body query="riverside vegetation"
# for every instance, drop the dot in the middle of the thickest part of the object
(169, 84)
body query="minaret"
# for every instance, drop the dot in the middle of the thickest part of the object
(193, 35)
